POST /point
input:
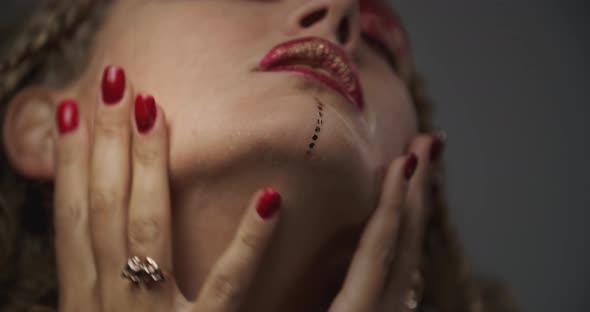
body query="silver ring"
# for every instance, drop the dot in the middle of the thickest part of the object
(147, 272)
(413, 296)
(152, 271)
(411, 301)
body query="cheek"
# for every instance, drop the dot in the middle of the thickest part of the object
(167, 47)
(271, 128)
(245, 127)
(392, 115)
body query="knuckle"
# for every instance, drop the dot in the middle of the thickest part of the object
(70, 212)
(224, 288)
(146, 155)
(383, 239)
(253, 242)
(109, 127)
(383, 253)
(394, 208)
(381, 250)
(143, 231)
(104, 202)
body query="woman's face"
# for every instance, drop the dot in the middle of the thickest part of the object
(234, 128)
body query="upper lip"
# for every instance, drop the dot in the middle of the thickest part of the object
(317, 53)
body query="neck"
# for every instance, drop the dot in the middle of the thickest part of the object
(311, 248)
(302, 269)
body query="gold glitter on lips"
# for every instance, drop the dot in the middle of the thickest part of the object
(318, 55)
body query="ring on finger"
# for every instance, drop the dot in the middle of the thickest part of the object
(413, 296)
(147, 272)
(411, 300)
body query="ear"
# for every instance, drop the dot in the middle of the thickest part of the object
(28, 132)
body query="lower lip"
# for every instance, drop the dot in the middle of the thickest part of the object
(322, 78)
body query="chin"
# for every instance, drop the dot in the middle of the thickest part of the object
(328, 195)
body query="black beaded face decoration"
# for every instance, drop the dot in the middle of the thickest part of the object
(319, 122)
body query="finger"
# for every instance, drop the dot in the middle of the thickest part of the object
(75, 262)
(429, 148)
(231, 275)
(148, 228)
(109, 179)
(419, 202)
(407, 264)
(149, 209)
(364, 282)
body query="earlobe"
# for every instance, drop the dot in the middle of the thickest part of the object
(28, 128)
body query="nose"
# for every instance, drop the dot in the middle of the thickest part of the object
(335, 20)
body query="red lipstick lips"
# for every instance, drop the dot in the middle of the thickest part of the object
(318, 59)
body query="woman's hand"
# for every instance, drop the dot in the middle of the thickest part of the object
(384, 273)
(112, 201)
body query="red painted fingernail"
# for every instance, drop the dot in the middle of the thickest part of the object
(438, 146)
(67, 116)
(268, 204)
(113, 85)
(410, 167)
(145, 112)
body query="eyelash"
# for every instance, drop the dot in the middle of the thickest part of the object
(381, 49)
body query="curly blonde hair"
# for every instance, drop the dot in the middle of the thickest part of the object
(53, 49)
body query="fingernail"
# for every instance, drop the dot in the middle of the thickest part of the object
(67, 116)
(145, 112)
(438, 145)
(410, 167)
(113, 85)
(268, 204)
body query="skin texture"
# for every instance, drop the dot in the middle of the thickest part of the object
(88, 196)
(233, 130)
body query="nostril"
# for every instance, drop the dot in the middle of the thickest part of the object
(313, 18)
(343, 31)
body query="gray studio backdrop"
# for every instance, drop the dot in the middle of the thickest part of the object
(509, 80)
